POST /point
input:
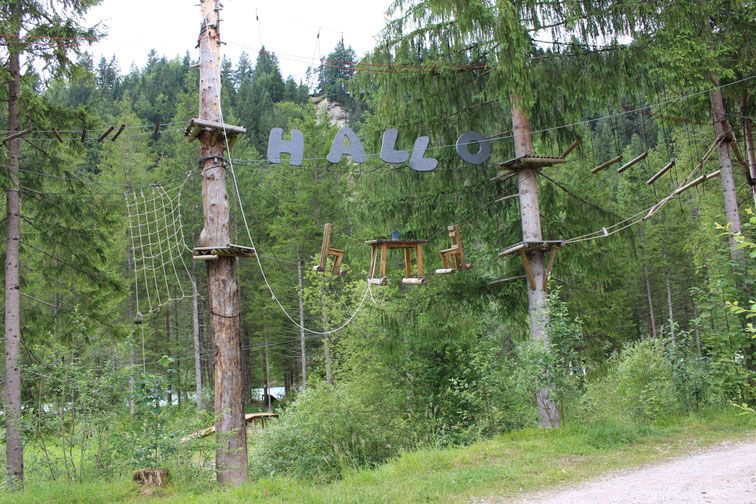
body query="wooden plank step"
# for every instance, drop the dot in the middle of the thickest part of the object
(530, 161)
(229, 250)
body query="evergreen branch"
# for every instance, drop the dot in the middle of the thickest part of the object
(39, 300)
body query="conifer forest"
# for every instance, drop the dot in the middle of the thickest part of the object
(508, 216)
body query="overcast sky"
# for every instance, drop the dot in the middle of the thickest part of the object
(288, 28)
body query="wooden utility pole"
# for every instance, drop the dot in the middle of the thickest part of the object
(231, 452)
(538, 309)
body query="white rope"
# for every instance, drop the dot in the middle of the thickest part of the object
(216, 73)
(159, 231)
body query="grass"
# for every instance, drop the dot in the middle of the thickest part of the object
(509, 465)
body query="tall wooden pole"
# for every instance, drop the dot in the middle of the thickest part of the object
(14, 445)
(729, 191)
(751, 156)
(231, 451)
(548, 413)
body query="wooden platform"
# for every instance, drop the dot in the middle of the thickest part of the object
(407, 245)
(524, 246)
(530, 161)
(250, 418)
(231, 250)
(218, 130)
(532, 245)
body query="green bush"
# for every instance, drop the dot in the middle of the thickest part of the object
(639, 386)
(326, 430)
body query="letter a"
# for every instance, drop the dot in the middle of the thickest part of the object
(277, 145)
(354, 148)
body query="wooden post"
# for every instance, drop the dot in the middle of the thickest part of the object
(231, 451)
(548, 414)
(751, 156)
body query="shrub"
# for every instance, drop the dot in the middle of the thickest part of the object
(327, 429)
(639, 385)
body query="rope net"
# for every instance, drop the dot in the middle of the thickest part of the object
(157, 246)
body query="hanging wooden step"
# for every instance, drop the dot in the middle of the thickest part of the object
(231, 250)
(530, 161)
(407, 246)
(326, 250)
(453, 257)
(218, 130)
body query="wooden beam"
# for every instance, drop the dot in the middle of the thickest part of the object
(738, 155)
(660, 173)
(84, 134)
(699, 180)
(17, 134)
(632, 162)
(552, 255)
(528, 270)
(508, 279)
(156, 131)
(570, 148)
(105, 135)
(414, 281)
(118, 133)
(57, 135)
(607, 164)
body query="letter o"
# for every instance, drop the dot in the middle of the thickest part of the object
(463, 147)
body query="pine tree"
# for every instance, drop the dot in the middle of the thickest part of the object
(50, 42)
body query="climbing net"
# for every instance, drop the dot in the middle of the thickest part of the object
(157, 247)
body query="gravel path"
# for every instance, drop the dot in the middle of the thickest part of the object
(721, 475)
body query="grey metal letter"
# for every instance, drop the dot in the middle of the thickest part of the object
(294, 147)
(388, 154)
(418, 162)
(354, 148)
(463, 147)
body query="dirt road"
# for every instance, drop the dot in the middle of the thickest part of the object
(723, 474)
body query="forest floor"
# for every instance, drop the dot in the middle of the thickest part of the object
(723, 474)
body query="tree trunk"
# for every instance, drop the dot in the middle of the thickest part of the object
(648, 286)
(268, 405)
(751, 157)
(168, 351)
(669, 296)
(548, 413)
(326, 338)
(231, 434)
(302, 346)
(729, 191)
(14, 447)
(698, 333)
(197, 345)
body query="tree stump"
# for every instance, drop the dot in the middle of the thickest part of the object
(157, 477)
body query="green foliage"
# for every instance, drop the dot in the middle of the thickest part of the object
(638, 386)
(327, 430)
